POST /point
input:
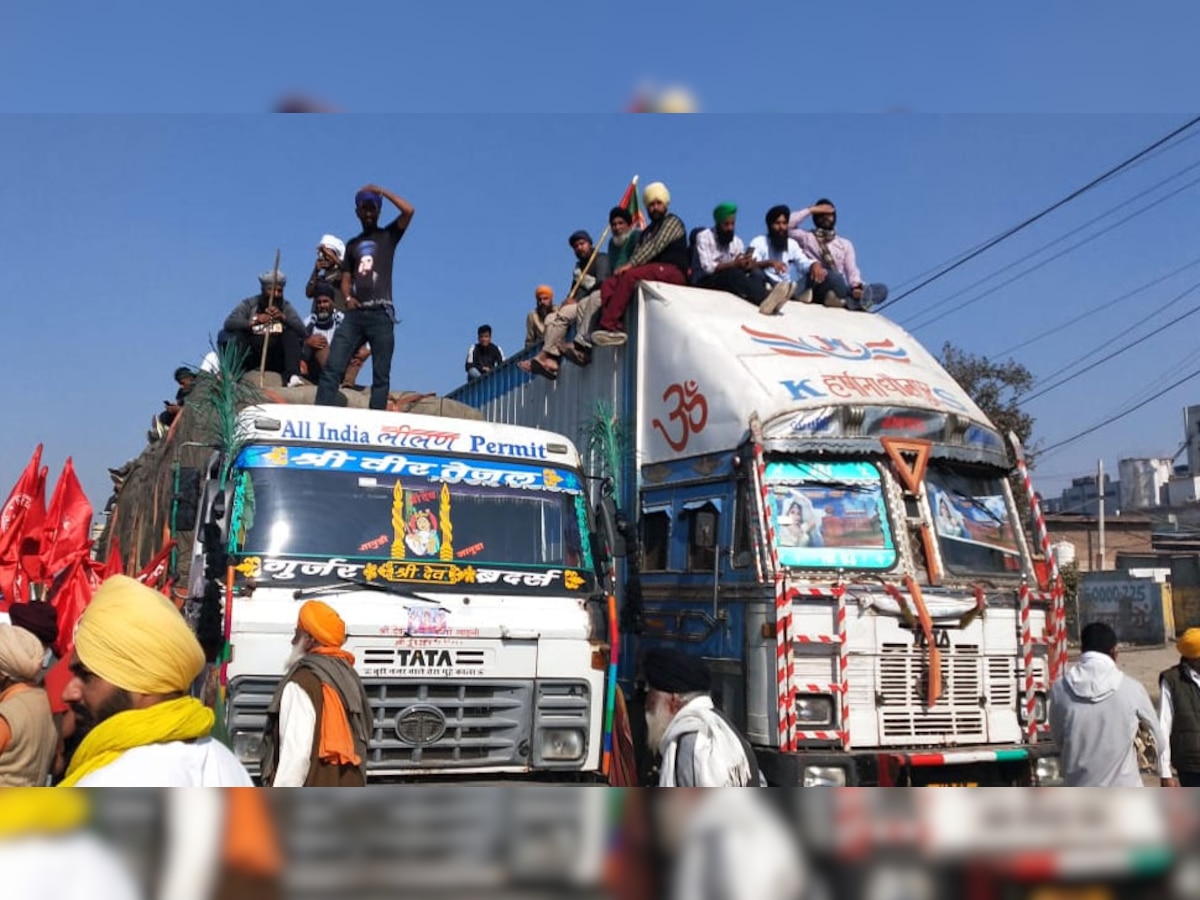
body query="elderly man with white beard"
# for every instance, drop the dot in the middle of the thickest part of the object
(698, 745)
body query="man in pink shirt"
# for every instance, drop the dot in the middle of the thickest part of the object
(836, 253)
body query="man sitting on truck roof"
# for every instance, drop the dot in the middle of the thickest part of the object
(661, 255)
(783, 259)
(535, 322)
(269, 317)
(843, 285)
(579, 309)
(624, 238)
(483, 357)
(699, 746)
(320, 328)
(722, 263)
(319, 721)
(133, 665)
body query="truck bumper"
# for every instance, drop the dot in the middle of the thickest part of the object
(1034, 764)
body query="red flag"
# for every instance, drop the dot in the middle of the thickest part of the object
(154, 571)
(12, 525)
(113, 565)
(68, 523)
(71, 593)
(30, 547)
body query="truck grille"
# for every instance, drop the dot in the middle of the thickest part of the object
(441, 724)
(957, 714)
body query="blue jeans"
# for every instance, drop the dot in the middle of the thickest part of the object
(377, 327)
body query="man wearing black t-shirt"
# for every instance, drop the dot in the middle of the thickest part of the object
(367, 287)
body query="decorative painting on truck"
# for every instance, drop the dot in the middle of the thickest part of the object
(829, 515)
(973, 523)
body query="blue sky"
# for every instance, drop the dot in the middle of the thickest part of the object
(127, 239)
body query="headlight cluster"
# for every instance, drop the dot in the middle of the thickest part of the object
(814, 709)
(561, 744)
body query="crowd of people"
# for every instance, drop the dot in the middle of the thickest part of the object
(786, 263)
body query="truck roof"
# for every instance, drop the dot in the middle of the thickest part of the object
(305, 424)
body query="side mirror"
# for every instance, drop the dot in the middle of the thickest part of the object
(611, 532)
(704, 529)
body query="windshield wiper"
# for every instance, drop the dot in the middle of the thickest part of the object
(980, 505)
(345, 584)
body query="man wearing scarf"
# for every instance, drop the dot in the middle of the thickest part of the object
(624, 238)
(661, 255)
(699, 746)
(269, 317)
(844, 285)
(134, 661)
(722, 263)
(1179, 715)
(319, 721)
(27, 735)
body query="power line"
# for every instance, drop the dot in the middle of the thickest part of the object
(987, 245)
(960, 255)
(1045, 450)
(924, 314)
(1124, 295)
(1119, 350)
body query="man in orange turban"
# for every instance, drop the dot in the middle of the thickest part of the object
(1179, 715)
(319, 721)
(535, 322)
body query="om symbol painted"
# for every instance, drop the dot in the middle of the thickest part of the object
(691, 411)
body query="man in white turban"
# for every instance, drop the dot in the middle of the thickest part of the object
(27, 735)
(134, 662)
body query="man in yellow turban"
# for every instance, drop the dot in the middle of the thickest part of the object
(535, 322)
(132, 668)
(1179, 715)
(319, 721)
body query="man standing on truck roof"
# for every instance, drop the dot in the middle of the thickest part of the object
(133, 665)
(269, 317)
(367, 286)
(661, 255)
(699, 746)
(844, 285)
(1179, 715)
(319, 721)
(1094, 714)
(722, 263)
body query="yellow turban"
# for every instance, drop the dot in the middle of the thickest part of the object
(134, 637)
(657, 191)
(1189, 644)
(323, 623)
(21, 653)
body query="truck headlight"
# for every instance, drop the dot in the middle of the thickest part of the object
(824, 776)
(1047, 771)
(814, 709)
(561, 744)
(248, 746)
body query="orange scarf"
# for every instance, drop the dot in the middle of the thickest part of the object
(251, 841)
(337, 743)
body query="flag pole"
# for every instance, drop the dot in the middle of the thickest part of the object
(262, 367)
(595, 250)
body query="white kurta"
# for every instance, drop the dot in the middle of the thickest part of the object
(297, 724)
(203, 763)
(66, 867)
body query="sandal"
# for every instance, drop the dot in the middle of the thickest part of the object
(536, 368)
(576, 354)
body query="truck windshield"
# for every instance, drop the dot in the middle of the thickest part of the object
(829, 515)
(973, 523)
(308, 514)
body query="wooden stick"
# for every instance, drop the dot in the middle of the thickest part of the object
(262, 367)
(591, 259)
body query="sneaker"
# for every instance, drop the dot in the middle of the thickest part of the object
(297, 381)
(805, 296)
(833, 301)
(872, 296)
(609, 338)
(774, 301)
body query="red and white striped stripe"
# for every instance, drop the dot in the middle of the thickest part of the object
(1028, 697)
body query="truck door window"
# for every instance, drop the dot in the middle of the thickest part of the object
(829, 515)
(704, 528)
(656, 538)
(973, 522)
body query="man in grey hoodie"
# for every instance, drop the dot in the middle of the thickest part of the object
(1094, 714)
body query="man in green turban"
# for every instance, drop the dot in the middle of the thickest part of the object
(721, 262)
